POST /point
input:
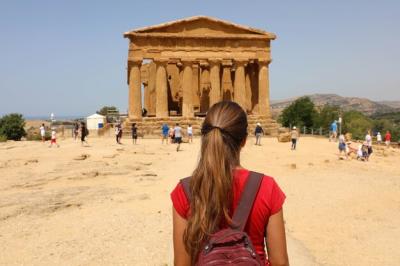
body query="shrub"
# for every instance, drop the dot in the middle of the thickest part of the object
(12, 126)
(357, 124)
(3, 138)
(300, 113)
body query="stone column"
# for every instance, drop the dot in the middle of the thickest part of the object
(239, 88)
(187, 93)
(135, 90)
(161, 89)
(227, 89)
(248, 89)
(263, 88)
(215, 93)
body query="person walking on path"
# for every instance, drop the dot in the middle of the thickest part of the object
(190, 133)
(379, 138)
(118, 133)
(164, 133)
(172, 135)
(76, 131)
(178, 136)
(222, 195)
(258, 132)
(84, 133)
(342, 146)
(53, 138)
(388, 138)
(43, 132)
(333, 134)
(294, 135)
(368, 141)
(134, 133)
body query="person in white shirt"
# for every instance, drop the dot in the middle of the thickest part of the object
(53, 138)
(368, 140)
(379, 138)
(342, 146)
(43, 132)
(178, 136)
(190, 133)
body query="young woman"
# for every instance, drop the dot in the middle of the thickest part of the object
(216, 186)
(134, 133)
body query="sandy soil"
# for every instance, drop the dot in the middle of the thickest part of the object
(109, 204)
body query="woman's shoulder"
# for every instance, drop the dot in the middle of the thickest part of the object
(179, 200)
(270, 194)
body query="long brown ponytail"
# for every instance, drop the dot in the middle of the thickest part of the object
(223, 132)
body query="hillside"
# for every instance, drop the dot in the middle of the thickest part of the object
(363, 105)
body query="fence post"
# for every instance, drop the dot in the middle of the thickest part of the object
(320, 130)
(304, 130)
(312, 131)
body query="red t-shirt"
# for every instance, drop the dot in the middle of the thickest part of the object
(388, 137)
(269, 200)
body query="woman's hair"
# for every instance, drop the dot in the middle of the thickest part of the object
(224, 131)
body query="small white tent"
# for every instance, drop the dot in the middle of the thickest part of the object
(95, 121)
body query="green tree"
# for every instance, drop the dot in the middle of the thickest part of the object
(326, 116)
(383, 125)
(12, 126)
(108, 110)
(357, 124)
(300, 113)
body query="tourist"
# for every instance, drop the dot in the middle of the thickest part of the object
(360, 153)
(333, 133)
(165, 131)
(118, 133)
(43, 132)
(190, 133)
(84, 133)
(76, 131)
(294, 135)
(342, 146)
(144, 112)
(388, 138)
(172, 135)
(379, 138)
(53, 138)
(204, 203)
(258, 132)
(178, 136)
(134, 133)
(368, 141)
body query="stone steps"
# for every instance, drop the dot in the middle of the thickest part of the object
(151, 126)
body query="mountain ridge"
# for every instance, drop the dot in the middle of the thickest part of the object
(363, 105)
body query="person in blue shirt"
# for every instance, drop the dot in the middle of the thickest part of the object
(333, 133)
(165, 130)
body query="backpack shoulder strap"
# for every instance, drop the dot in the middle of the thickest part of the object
(186, 187)
(247, 198)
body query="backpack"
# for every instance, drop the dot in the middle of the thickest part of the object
(232, 246)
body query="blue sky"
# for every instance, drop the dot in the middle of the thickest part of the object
(69, 57)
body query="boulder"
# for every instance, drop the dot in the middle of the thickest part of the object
(284, 137)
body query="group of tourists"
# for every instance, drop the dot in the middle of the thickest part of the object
(119, 132)
(79, 129)
(174, 134)
(364, 149)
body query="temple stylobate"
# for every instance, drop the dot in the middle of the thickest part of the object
(185, 66)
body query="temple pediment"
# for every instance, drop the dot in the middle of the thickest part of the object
(200, 26)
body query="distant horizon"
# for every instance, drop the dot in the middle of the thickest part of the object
(74, 116)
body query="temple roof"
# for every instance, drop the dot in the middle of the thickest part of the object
(200, 26)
